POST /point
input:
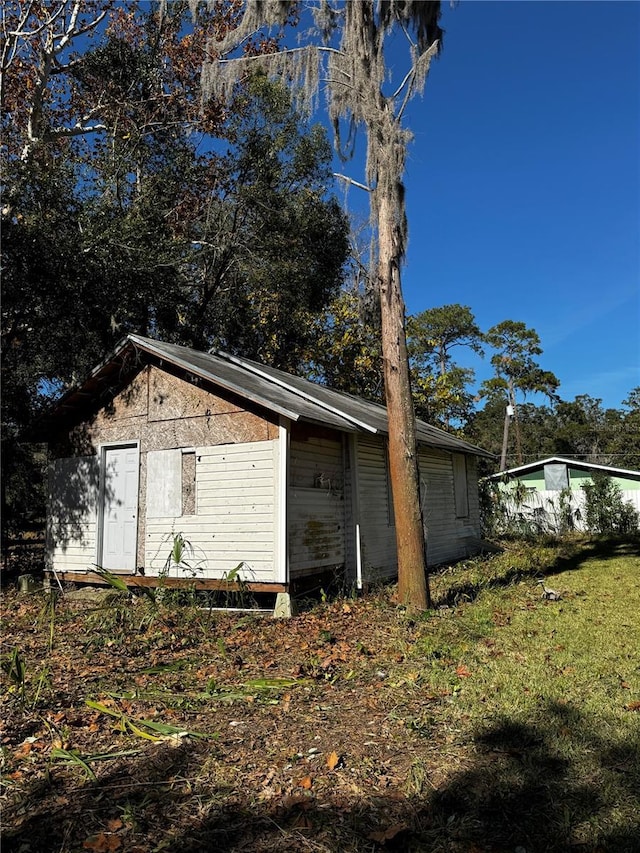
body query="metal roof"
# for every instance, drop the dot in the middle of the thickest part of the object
(282, 393)
(551, 460)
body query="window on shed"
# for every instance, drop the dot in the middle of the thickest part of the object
(460, 487)
(556, 477)
(188, 482)
(171, 483)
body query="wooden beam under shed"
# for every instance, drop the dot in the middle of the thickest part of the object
(150, 581)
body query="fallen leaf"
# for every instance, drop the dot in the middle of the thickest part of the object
(462, 671)
(306, 782)
(388, 834)
(633, 706)
(102, 843)
(23, 750)
(333, 760)
(114, 824)
(346, 608)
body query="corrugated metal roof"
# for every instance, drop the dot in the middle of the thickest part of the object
(283, 393)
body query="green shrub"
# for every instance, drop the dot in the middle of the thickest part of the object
(605, 510)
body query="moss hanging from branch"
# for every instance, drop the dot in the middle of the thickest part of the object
(345, 58)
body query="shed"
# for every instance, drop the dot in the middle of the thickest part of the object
(545, 480)
(268, 477)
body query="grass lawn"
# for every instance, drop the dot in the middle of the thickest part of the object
(499, 721)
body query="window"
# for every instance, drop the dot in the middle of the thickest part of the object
(171, 483)
(188, 482)
(556, 477)
(460, 489)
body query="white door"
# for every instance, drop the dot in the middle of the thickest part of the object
(120, 508)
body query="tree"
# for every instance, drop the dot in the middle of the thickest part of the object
(583, 430)
(516, 371)
(625, 440)
(35, 61)
(345, 349)
(134, 228)
(605, 510)
(440, 387)
(353, 37)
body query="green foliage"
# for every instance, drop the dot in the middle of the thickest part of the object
(440, 386)
(15, 669)
(605, 510)
(516, 369)
(140, 227)
(504, 513)
(624, 442)
(181, 557)
(345, 351)
(514, 360)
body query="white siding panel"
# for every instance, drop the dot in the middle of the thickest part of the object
(316, 505)
(377, 534)
(235, 501)
(543, 507)
(72, 517)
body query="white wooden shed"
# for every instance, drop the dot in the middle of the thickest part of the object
(269, 477)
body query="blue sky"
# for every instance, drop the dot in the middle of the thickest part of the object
(523, 183)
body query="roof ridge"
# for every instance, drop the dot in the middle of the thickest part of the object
(255, 368)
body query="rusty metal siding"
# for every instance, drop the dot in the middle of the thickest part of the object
(316, 504)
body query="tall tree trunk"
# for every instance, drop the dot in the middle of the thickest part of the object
(403, 463)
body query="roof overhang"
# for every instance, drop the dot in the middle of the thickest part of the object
(561, 460)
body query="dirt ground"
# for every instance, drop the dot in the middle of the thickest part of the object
(136, 725)
(308, 741)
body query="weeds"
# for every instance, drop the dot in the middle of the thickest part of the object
(456, 730)
(15, 669)
(145, 729)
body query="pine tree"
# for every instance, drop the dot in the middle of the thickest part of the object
(348, 44)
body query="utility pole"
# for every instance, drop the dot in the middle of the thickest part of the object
(505, 437)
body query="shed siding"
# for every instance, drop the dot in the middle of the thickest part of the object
(72, 517)
(236, 508)
(377, 533)
(163, 413)
(316, 505)
(448, 537)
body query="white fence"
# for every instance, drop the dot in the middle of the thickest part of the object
(545, 507)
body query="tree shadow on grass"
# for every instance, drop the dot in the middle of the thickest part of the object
(600, 549)
(604, 548)
(552, 785)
